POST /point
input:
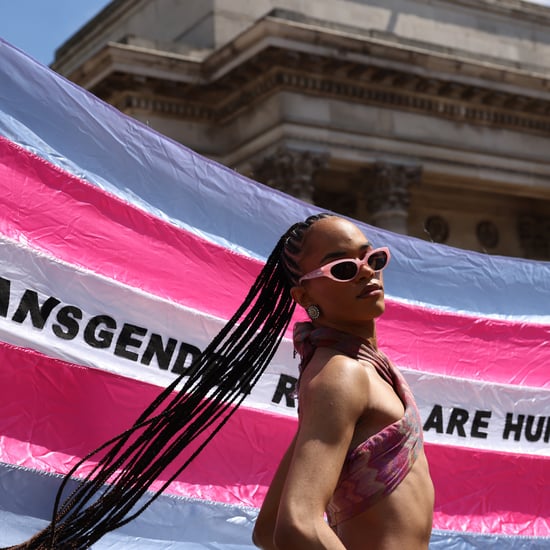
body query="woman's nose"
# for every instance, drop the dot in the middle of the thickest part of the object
(366, 270)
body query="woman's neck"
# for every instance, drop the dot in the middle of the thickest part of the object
(367, 331)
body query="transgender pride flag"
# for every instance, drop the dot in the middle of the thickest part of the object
(123, 253)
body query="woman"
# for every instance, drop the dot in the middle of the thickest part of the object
(357, 455)
(177, 425)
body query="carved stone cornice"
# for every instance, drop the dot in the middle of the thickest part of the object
(277, 69)
(533, 118)
(308, 57)
(177, 109)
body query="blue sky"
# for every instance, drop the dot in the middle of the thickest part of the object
(38, 27)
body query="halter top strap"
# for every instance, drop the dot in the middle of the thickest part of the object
(307, 338)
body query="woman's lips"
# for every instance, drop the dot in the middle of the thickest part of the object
(372, 289)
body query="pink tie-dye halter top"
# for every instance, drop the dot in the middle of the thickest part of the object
(377, 466)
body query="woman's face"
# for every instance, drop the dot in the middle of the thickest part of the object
(344, 305)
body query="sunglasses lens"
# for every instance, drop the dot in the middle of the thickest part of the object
(378, 260)
(344, 271)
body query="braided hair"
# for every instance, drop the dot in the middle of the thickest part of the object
(218, 381)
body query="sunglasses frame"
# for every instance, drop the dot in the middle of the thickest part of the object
(324, 271)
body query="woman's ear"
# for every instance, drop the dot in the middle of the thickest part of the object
(299, 295)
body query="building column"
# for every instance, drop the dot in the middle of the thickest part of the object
(386, 190)
(291, 171)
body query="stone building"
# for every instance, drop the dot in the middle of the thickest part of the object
(425, 117)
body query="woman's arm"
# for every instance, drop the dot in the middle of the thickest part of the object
(332, 399)
(264, 528)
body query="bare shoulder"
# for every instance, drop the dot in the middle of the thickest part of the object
(332, 370)
(334, 380)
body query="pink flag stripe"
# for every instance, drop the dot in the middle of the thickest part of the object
(52, 412)
(490, 492)
(41, 203)
(466, 346)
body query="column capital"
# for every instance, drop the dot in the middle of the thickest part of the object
(291, 171)
(386, 190)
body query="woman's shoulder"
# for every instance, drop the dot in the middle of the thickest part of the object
(334, 394)
(334, 374)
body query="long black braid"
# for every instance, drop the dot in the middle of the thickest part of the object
(219, 379)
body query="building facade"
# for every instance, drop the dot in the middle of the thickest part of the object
(426, 117)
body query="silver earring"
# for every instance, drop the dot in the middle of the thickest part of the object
(313, 311)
